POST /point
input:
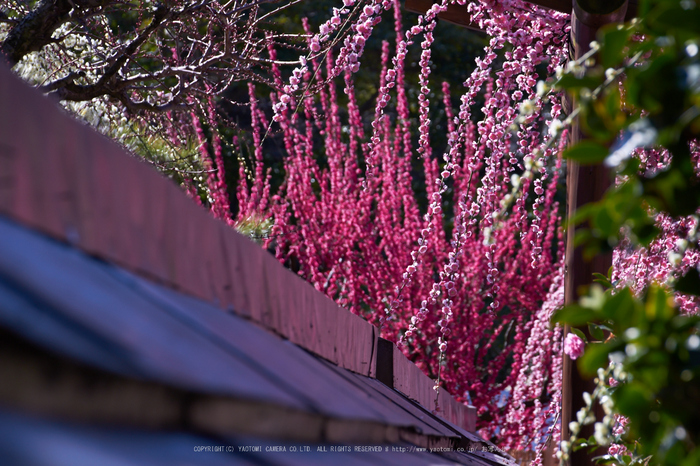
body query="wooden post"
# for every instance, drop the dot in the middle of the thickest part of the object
(584, 184)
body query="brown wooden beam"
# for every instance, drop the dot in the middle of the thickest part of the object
(396, 371)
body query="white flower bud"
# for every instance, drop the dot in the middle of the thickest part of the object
(542, 88)
(527, 107)
(555, 127)
(574, 427)
(601, 434)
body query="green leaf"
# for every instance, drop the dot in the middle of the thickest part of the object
(574, 314)
(596, 332)
(676, 17)
(620, 308)
(582, 214)
(689, 283)
(612, 40)
(602, 279)
(605, 223)
(579, 443)
(649, 85)
(658, 305)
(582, 237)
(646, 233)
(587, 152)
(631, 167)
(596, 356)
(631, 398)
(570, 82)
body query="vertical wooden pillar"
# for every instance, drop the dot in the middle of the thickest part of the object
(584, 184)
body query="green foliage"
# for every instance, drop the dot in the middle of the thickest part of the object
(643, 82)
(587, 152)
(659, 350)
(257, 229)
(658, 106)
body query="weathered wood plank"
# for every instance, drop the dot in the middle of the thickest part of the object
(412, 382)
(457, 413)
(385, 400)
(82, 307)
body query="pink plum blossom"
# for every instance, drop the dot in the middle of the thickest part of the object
(573, 346)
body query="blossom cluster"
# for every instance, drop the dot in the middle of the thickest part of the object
(464, 302)
(467, 283)
(675, 250)
(350, 54)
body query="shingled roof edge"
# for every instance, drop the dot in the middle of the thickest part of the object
(64, 179)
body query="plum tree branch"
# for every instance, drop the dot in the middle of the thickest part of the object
(148, 58)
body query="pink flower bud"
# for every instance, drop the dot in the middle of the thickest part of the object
(573, 346)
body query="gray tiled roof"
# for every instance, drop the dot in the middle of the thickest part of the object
(92, 321)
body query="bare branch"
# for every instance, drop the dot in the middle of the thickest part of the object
(165, 60)
(59, 83)
(158, 16)
(135, 106)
